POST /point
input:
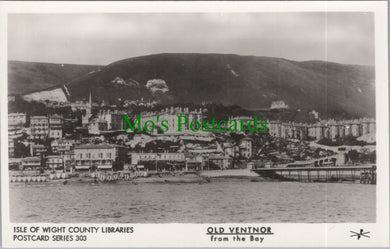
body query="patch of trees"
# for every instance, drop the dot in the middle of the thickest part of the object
(361, 157)
(347, 140)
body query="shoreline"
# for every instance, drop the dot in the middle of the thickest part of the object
(186, 177)
(172, 180)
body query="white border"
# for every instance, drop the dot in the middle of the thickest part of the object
(193, 235)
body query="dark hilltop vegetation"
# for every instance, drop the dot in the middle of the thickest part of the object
(251, 82)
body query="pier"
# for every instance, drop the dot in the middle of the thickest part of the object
(365, 174)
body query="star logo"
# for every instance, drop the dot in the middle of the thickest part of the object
(361, 234)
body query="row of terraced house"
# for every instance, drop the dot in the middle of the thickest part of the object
(330, 129)
(78, 157)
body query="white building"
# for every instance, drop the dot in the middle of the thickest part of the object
(115, 119)
(16, 119)
(97, 126)
(278, 105)
(37, 149)
(245, 147)
(54, 162)
(137, 157)
(11, 147)
(61, 145)
(88, 112)
(55, 126)
(39, 127)
(100, 156)
(31, 163)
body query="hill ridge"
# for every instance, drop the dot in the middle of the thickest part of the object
(248, 81)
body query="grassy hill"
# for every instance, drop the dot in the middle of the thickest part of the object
(25, 77)
(249, 81)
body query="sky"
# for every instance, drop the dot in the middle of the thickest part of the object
(101, 39)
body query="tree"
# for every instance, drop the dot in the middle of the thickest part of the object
(21, 150)
(353, 155)
(236, 137)
(372, 157)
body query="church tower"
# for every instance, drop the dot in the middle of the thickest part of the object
(90, 100)
(88, 112)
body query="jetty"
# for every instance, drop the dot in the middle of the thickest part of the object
(365, 174)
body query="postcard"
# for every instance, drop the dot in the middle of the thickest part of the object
(194, 124)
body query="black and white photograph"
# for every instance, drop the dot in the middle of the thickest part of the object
(193, 117)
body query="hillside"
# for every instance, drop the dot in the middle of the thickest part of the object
(335, 90)
(25, 77)
(249, 81)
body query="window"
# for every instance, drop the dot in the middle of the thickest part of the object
(108, 155)
(100, 155)
(88, 155)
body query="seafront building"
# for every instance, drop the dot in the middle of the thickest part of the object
(245, 147)
(219, 162)
(69, 160)
(138, 157)
(99, 156)
(31, 163)
(54, 162)
(182, 160)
